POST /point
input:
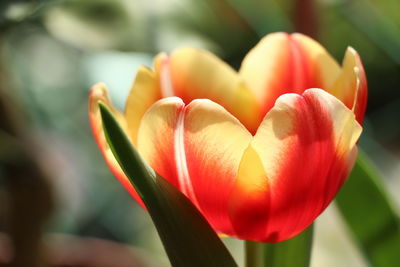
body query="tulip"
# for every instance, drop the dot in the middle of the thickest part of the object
(260, 152)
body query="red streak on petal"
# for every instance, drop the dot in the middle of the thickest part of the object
(297, 196)
(293, 74)
(311, 175)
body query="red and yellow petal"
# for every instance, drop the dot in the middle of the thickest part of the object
(322, 66)
(198, 149)
(296, 163)
(191, 73)
(156, 137)
(214, 144)
(287, 63)
(351, 85)
(98, 94)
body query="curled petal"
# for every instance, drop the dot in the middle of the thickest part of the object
(351, 85)
(191, 73)
(198, 149)
(296, 163)
(287, 63)
(98, 94)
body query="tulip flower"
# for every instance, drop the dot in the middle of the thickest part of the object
(260, 152)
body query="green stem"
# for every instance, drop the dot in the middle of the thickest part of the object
(295, 252)
(254, 256)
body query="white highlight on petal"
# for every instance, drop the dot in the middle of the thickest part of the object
(166, 85)
(357, 71)
(180, 158)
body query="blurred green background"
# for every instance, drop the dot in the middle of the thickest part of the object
(53, 179)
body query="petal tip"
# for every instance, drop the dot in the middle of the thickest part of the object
(98, 91)
(351, 50)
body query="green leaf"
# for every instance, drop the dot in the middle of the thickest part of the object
(377, 27)
(295, 252)
(186, 235)
(263, 16)
(367, 210)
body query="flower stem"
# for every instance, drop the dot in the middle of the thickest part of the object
(295, 252)
(254, 254)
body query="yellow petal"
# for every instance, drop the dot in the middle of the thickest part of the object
(351, 85)
(196, 74)
(264, 66)
(145, 92)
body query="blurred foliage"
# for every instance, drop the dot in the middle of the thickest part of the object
(369, 212)
(295, 252)
(100, 24)
(52, 51)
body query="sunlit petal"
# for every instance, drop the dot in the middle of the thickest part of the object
(144, 93)
(351, 85)
(214, 145)
(295, 165)
(198, 149)
(287, 63)
(194, 74)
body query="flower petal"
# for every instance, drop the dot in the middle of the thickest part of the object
(287, 63)
(351, 85)
(156, 137)
(98, 94)
(214, 143)
(196, 74)
(144, 93)
(198, 149)
(296, 163)
(323, 68)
